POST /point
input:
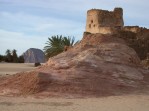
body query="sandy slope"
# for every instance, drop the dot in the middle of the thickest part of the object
(12, 68)
(117, 103)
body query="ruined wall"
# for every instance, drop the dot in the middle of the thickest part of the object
(134, 29)
(102, 21)
(137, 38)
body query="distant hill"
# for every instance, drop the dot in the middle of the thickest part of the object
(33, 55)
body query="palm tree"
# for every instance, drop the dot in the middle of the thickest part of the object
(56, 44)
(68, 41)
(14, 56)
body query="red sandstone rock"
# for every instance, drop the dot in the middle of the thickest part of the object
(100, 65)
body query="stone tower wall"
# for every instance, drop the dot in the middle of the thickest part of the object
(102, 21)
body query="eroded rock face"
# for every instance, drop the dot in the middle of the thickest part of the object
(100, 65)
(33, 55)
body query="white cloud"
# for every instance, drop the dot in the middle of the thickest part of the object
(39, 23)
(19, 41)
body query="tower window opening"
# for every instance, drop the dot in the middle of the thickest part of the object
(91, 21)
(94, 25)
(89, 25)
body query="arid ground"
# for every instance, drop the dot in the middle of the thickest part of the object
(12, 68)
(117, 103)
(112, 103)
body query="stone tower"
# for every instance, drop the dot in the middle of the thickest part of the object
(103, 21)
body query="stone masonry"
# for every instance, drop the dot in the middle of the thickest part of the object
(103, 21)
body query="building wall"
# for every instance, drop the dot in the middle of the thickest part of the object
(103, 30)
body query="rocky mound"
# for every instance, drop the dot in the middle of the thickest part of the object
(33, 55)
(100, 65)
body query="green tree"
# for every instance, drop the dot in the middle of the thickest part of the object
(56, 44)
(14, 56)
(8, 56)
(2, 58)
(21, 59)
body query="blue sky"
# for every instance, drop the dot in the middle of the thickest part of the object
(27, 24)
